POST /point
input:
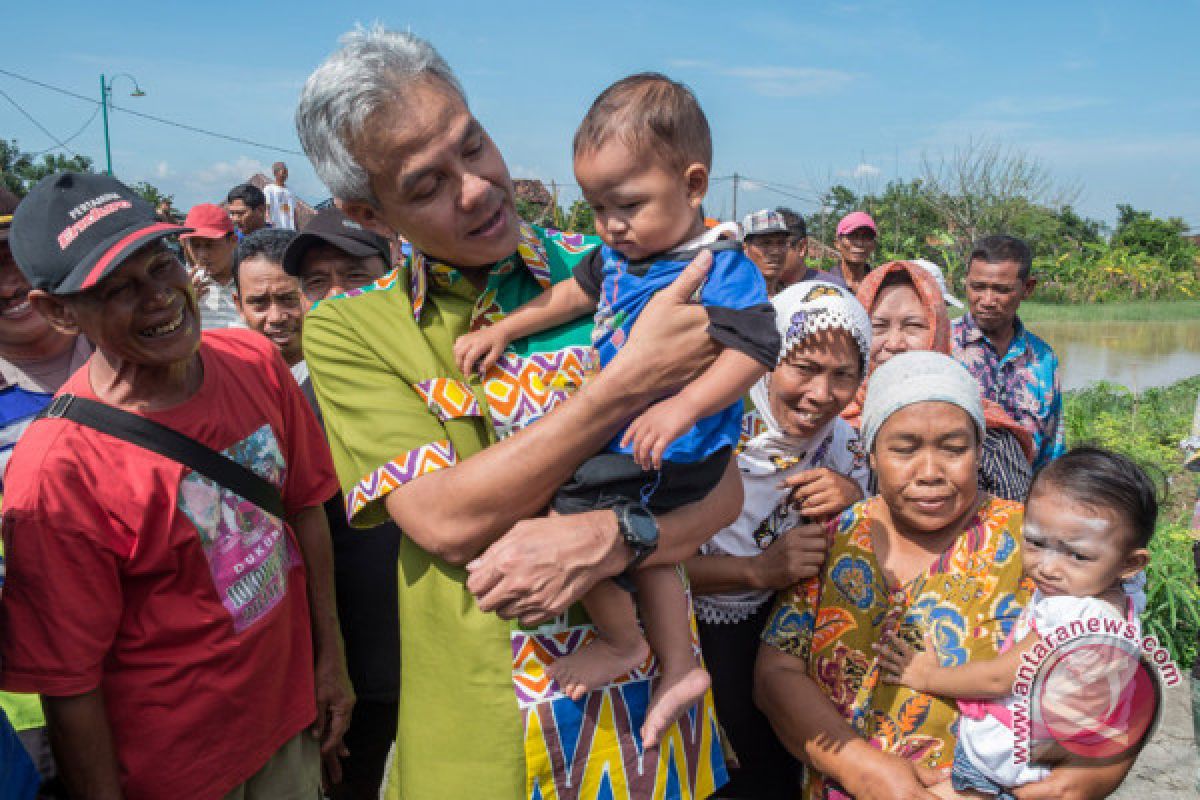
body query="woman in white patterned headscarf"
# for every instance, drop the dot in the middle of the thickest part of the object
(800, 463)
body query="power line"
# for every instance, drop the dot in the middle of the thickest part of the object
(74, 135)
(143, 115)
(39, 125)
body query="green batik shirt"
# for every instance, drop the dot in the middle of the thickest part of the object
(478, 716)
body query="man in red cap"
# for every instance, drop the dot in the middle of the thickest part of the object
(209, 248)
(183, 636)
(855, 244)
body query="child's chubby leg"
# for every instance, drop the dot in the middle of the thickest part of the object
(663, 604)
(618, 647)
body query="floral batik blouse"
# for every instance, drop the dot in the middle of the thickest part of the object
(967, 599)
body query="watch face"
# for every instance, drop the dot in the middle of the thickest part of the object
(641, 525)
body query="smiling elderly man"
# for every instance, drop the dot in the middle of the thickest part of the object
(454, 460)
(171, 625)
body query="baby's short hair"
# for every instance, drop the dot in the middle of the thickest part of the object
(649, 112)
(1103, 479)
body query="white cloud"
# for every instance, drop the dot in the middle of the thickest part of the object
(776, 80)
(161, 170)
(865, 171)
(230, 172)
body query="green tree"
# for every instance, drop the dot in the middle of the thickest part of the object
(12, 163)
(1142, 232)
(22, 170)
(580, 218)
(151, 193)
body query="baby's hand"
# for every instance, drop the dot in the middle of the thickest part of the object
(478, 351)
(902, 663)
(654, 430)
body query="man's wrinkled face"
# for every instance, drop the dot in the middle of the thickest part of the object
(143, 314)
(270, 302)
(20, 324)
(247, 219)
(857, 246)
(769, 253)
(439, 179)
(995, 292)
(326, 270)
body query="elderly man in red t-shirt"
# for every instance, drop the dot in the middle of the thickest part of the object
(171, 625)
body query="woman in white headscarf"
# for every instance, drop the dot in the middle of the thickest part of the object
(932, 558)
(800, 463)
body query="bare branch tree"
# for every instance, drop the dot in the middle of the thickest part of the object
(982, 187)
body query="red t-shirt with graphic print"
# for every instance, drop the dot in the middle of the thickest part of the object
(183, 602)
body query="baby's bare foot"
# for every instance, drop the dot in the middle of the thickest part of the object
(596, 664)
(675, 694)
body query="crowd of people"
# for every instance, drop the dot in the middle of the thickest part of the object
(424, 501)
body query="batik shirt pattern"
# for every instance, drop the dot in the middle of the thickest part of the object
(1024, 381)
(967, 600)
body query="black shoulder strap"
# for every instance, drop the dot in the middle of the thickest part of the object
(166, 442)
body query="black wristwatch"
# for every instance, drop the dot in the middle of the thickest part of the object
(638, 529)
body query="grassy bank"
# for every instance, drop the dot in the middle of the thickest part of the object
(1131, 311)
(1148, 427)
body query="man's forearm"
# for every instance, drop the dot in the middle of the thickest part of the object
(83, 747)
(316, 548)
(456, 513)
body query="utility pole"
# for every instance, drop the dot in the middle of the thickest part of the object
(105, 96)
(736, 177)
(104, 107)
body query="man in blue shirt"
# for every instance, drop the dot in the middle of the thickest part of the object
(1015, 368)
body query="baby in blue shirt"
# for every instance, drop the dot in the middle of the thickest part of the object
(642, 157)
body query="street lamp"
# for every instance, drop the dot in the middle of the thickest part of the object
(106, 99)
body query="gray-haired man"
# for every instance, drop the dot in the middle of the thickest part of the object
(454, 460)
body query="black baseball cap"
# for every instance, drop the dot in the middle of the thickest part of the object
(74, 229)
(333, 227)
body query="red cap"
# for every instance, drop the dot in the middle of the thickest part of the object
(208, 221)
(855, 220)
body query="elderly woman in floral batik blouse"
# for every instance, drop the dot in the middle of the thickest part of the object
(931, 555)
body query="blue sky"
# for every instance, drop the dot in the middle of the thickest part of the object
(802, 95)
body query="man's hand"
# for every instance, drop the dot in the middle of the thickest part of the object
(477, 352)
(201, 281)
(543, 565)
(335, 702)
(654, 430)
(902, 663)
(794, 556)
(821, 492)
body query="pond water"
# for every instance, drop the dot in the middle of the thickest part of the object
(1138, 355)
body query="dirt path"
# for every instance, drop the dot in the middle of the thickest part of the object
(1166, 769)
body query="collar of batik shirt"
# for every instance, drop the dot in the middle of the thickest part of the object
(970, 333)
(530, 254)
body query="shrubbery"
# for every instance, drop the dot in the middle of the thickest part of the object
(1148, 427)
